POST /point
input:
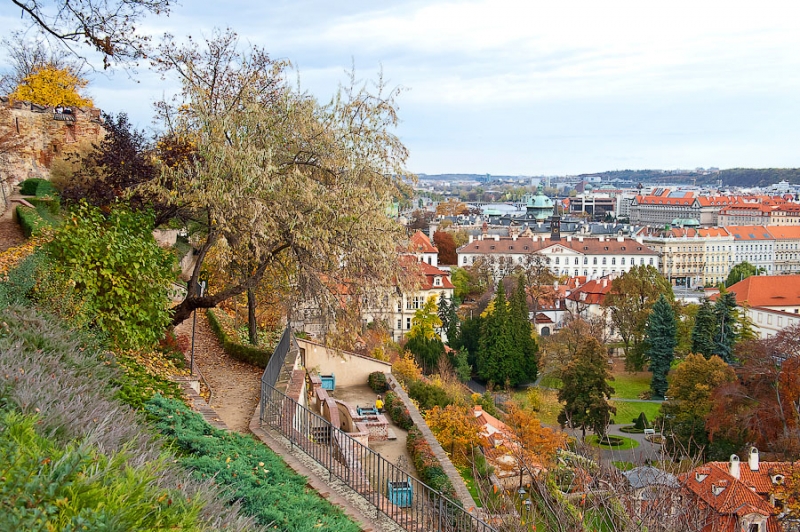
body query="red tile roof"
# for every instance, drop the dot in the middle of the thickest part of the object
(431, 272)
(726, 496)
(595, 292)
(420, 243)
(749, 232)
(788, 231)
(768, 291)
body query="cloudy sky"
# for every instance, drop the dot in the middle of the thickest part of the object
(533, 87)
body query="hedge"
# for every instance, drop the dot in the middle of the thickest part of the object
(29, 220)
(242, 352)
(37, 187)
(377, 381)
(428, 466)
(397, 411)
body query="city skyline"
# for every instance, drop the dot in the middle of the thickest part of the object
(515, 88)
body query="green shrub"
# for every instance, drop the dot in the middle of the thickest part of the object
(29, 220)
(428, 395)
(37, 187)
(239, 351)
(49, 487)
(377, 381)
(17, 287)
(428, 466)
(120, 271)
(47, 207)
(265, 487)
(397, 411)
(640, 422)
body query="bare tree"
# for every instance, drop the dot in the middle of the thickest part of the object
(109, 27)
(26, 56)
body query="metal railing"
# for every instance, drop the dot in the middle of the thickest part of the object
(411, 503)
(278, 359)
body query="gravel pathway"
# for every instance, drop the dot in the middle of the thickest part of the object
(10, 231)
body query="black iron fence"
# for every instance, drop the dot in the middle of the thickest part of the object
(409, 502)
(278, 360)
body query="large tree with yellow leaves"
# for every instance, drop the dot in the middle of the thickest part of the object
(52, 86)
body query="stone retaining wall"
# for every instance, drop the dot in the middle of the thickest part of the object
(450, 470)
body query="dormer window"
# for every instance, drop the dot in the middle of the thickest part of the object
(437, 281)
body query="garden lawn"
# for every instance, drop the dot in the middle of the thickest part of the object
(469, 480)
(628, 443)
(627, 412)
(630, 385)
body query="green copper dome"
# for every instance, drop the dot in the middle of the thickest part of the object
(539, 205)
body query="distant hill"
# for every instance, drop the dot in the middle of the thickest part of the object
(735, 177)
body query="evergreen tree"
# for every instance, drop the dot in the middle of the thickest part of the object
(725, 333)
(705, 324)
(450, 321)
(585, 391)
(525, 366)
(660, 336)
(496, 342)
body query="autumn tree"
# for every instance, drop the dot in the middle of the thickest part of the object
(111, 28)
(25, 56)
(451, 207)
(456, 430)
(585, 391)
(539, 280)
(763, 406)
(51, 86)
(423, 340)
(443, 240)
(660, 339)
(683, 416)
(279, 176)
(533, 446)
(630, 300)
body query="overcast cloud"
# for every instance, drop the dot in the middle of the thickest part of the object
(529, 88)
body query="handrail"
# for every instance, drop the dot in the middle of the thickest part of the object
(359, 467)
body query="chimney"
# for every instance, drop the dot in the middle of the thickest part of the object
(514, 238)
(601, 239)
(752, 461)
(734, 467)
(580, 239)
(477, 408)
(569, 238)
(605, 283)
(620, 239)
(496, 238)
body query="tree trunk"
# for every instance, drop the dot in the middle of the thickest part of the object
(252, 327)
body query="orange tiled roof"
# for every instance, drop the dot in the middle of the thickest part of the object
(749, 232)
(788, 231)
(726, 495)
(420, 243)
(595, 291)
(768, 291)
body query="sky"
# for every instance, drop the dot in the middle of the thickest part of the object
(533, 87)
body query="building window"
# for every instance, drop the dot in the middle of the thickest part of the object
(576, 261)
(399, 324)
(408, 323)
(585, 260)
(437, 281)
(651, 261)
(594, 261)
(604, 261)
(558, 260)
(623, 261)
(613, 261)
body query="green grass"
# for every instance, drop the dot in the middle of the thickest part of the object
(624, 466)
(628, 443)
(549, 381)
(469, 480)
(627, 412)
(630, 385)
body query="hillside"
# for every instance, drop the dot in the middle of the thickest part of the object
(732, 177)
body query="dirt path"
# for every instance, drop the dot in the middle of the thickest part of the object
(10, 231)
(235, 385)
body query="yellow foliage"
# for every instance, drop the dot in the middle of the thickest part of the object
(406, 369)
(52, 86)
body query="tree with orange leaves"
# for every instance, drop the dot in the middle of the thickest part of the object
(533, 445)
(456, 430)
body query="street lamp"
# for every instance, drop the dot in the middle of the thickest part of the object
(202, 285)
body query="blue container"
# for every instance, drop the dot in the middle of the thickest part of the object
(400, 493)
(328, 381)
